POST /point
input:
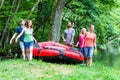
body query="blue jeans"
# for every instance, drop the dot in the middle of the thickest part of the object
(82, 50)
(29, 44)
(89, 51)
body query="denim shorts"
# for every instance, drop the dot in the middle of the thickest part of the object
(89, 51)
(82, 50)
(29, 44)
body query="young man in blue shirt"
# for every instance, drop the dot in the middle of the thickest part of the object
(21, 42)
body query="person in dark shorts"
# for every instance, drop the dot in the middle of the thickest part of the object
(28, 39)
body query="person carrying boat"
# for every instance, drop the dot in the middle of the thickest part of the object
(81, 42)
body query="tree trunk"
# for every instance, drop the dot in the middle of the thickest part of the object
(18, 5)
(43, 18)
(32, 9)
(5, 35)
(56, 19)
(6, 26)
(1, 4)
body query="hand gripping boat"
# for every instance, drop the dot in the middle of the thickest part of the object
(53, 51)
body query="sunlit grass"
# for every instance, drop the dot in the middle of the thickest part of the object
(18, 69)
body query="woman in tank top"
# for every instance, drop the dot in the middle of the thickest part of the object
(28, 39)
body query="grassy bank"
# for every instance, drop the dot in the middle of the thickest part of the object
(18, 69)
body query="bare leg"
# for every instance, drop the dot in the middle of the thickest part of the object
(90, 64)
(87, 61)
(22, 49)
(27, 53)
(23, 54)
(31, 54)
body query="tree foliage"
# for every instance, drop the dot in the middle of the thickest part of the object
(99, 12)
(104, 14)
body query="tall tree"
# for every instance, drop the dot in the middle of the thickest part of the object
(6, 28)
(1, 4)
(33, 8)
(56, 19)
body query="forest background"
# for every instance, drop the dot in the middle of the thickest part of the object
(50, 18)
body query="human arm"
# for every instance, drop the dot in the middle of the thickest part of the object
(73, 34)
(19, 35)
(94, 42)
(11, 40)
(34, 39)
(95, 47)
(77, 44)
(63, 37)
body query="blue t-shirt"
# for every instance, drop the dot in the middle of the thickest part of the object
(19, 30)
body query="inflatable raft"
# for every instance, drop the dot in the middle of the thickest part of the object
(53, 51)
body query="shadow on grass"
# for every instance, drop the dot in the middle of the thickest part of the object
(64, 60)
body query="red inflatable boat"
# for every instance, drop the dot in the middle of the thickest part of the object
(57, 52)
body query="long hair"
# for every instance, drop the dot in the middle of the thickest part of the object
(28, 21)
(83, 29)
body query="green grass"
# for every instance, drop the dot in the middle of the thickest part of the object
(18, 69)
